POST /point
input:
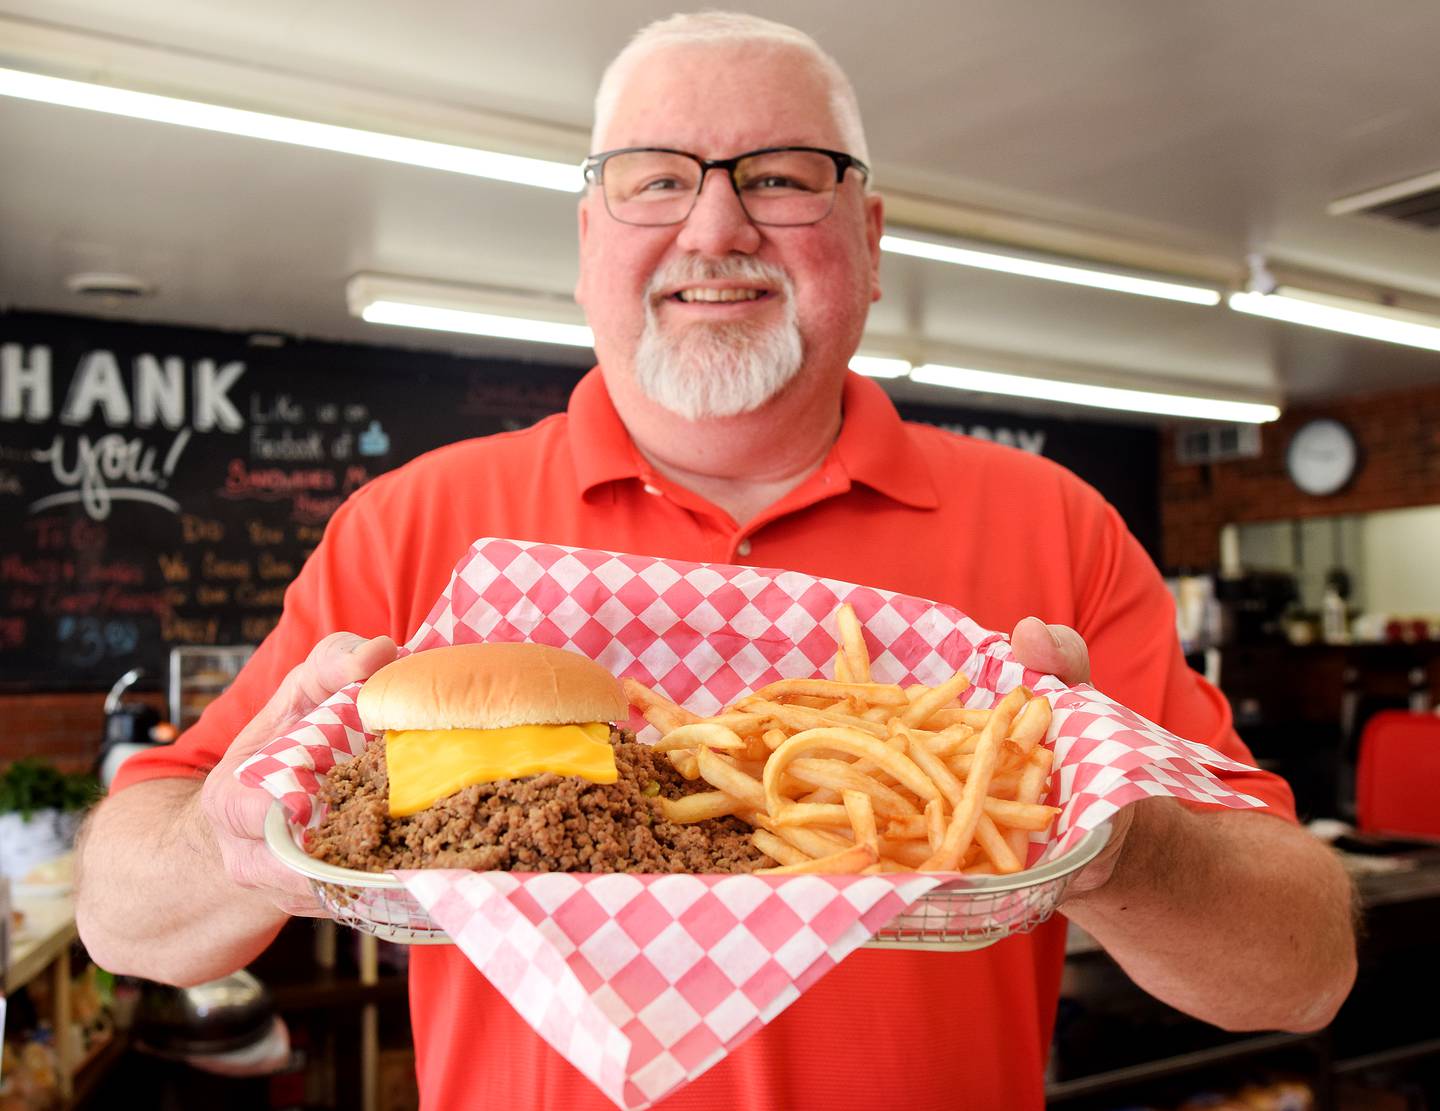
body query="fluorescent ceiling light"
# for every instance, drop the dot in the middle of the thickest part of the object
(1384, 194)
(1050, 271)
(471, 310)
(477, 323)
(874, 366)
(1342, 314)
(281, 129)
(1102, 397)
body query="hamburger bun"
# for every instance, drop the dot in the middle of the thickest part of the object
(489, 686)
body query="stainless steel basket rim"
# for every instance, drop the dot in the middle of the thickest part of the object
(281, 840)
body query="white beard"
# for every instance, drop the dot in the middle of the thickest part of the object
(706, 371)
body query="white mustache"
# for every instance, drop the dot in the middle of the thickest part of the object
(688, 269)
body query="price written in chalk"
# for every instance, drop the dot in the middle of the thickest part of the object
(86, 641)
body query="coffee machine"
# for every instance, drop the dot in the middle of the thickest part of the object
(1254, 603)
(129, 726)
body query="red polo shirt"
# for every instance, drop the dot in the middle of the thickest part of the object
(993, 531)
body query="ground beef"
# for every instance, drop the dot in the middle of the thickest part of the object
(544, 823)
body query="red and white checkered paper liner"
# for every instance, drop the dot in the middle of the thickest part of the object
(644, 982)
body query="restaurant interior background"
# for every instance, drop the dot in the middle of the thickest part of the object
(1154, 199)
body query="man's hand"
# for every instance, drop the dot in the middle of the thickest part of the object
(236, 813)
(1057, 650)
(174, 882)
(1060, 651)
(1201, 903)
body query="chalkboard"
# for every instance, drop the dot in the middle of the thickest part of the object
(161, 486)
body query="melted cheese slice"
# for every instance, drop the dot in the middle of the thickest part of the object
(425, 765)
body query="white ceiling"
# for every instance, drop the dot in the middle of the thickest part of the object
(1196, 133)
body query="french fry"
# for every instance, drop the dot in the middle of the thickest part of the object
(1034, 778)
(854, 859)
(1027, 795)
(954, 739)
(812, 842)
(876, 694)
(746, 725)
(782, 852)
(955, 715)
(912, 854)
(698, 733)
(685, 764)
(756, 750)
(658, 710)
(753, 768)
(944, 742)
(1004, 785)
(1031, 724)
(774, 738)
(862, 820)
(934, 825)
(699, 807)
(1020, 815)
(1007, 762)
(989, 837)
(813, 813)
(913, 827)
(730, 779)
(852, 644)
(801, 718)
(919, 711)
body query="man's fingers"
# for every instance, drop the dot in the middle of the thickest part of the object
(251, 865)
(1098, 872)
(1057, 650)
(236, 814)
(238, 811)
(337, 661)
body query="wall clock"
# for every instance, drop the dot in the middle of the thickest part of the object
(1322, 457)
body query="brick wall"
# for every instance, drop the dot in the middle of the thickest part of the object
(1399, 438)
(63, 729)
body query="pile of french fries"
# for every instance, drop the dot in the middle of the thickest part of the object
(850, 775)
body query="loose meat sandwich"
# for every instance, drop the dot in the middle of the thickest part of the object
(505, 756)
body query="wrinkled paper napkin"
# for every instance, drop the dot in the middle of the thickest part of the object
(644, 982)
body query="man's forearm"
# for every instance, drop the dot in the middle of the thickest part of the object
(154, 899)
(1237, 918)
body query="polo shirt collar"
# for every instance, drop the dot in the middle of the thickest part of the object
(873, 447)
(599, 444)
(876, 449)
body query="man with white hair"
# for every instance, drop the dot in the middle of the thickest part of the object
(729, 251)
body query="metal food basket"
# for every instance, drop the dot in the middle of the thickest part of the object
(968, 912)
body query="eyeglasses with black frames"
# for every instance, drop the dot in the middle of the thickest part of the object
(777, 186)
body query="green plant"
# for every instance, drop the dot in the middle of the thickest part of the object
(29, 785)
